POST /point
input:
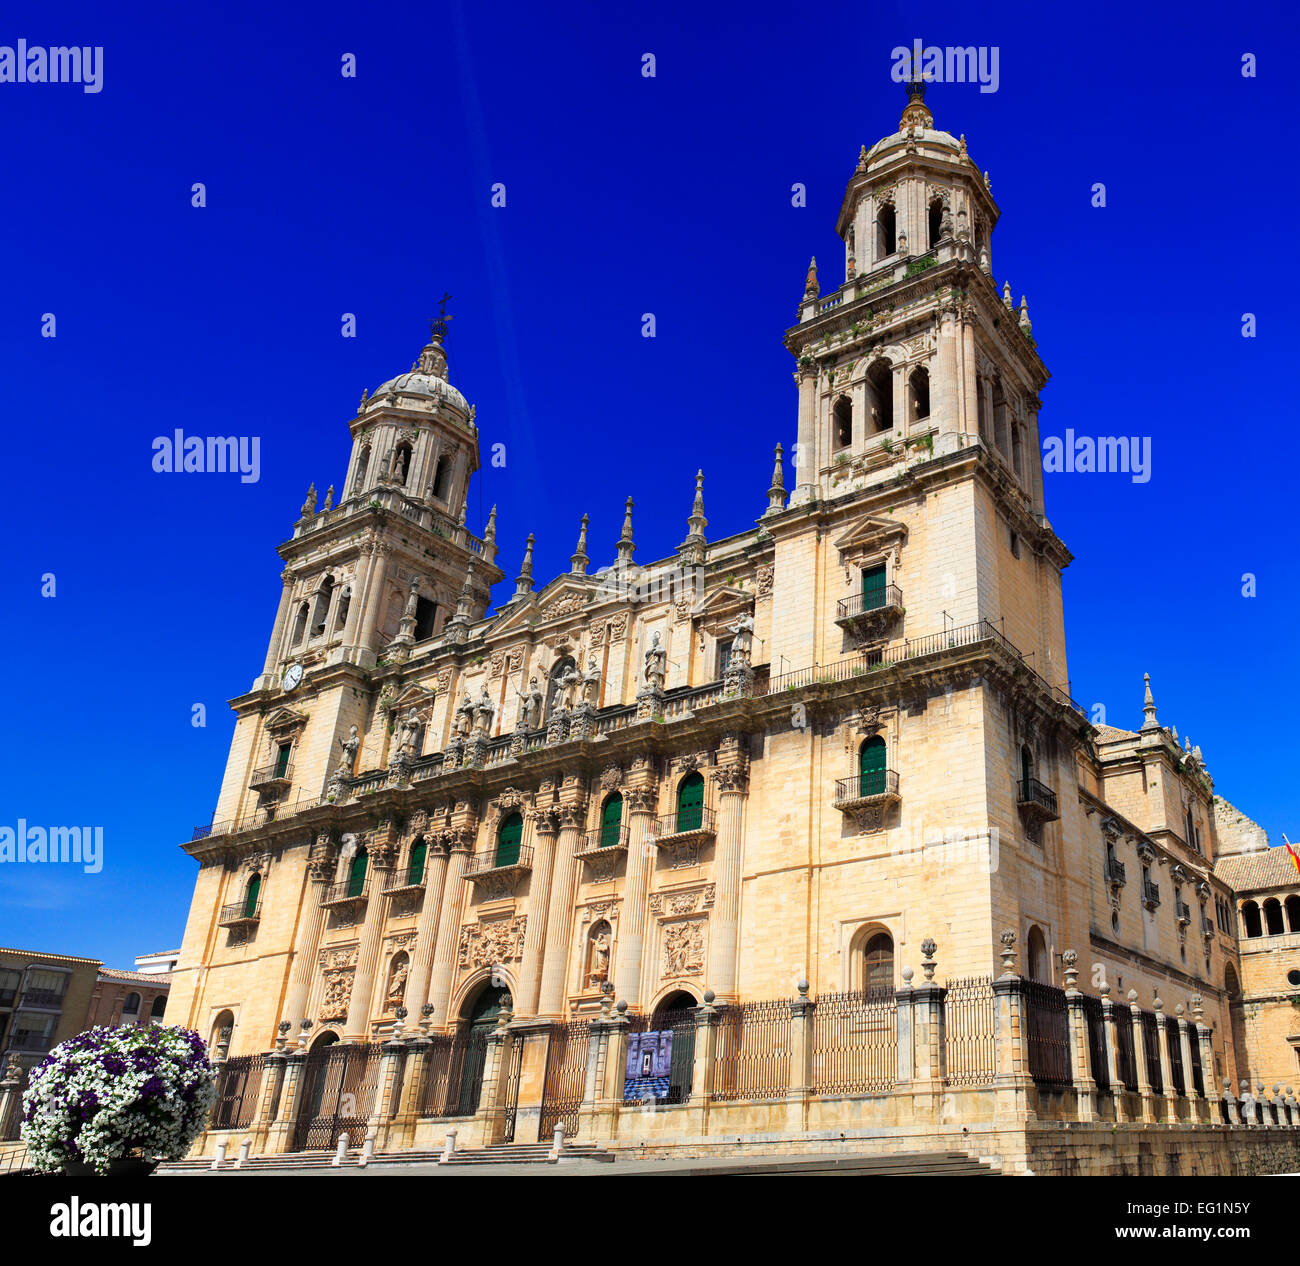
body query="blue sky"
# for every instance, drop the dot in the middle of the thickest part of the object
(625, 195)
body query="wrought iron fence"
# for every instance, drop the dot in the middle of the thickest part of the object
(1125, 1050)
(681, 1023)
(1047, 1032)
(1096, 1018)
(876, 782)
(855, 1043)
(566, 1078)
(238, 1082)
(1198, 1073)
(453, 1074)
(338, 1094)
(1151, 1040)
(970, 1026)
(753, 1051)
(1176, 1078)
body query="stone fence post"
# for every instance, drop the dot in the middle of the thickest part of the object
(928, 1026)
(802, 1012)
(1166, 1063)
(1145, 1089)
(1012, 1082)
(1085, 1086)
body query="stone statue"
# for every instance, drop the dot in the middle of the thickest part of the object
(399, 467)
(743, 639)
(410, 728)
(591, 682)
(656, 661)
(464, 716)
(599, 969)
(567, 683)
(412, 598)
(349, 746)
(397, 986)
(530, 710)
(484, 710)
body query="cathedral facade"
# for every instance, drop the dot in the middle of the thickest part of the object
(794, 831)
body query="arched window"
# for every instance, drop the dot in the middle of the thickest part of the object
(509, 834)
(842, 423)
(398, 970)
(690, 802)
(402, 462)
(1026, 769)
(322, 611)
(611, 820)
(1230, 985)
(441, 473)
(981, 408)
(1000, 433)
(1293, 914)
(1191, 831)
(886, 238)
(878, 964)
(252, 894)
(357, 873)
(554, 691)
(935, 221)
(1250, 919)
(345, 605)
(300, 625)
(1017, 451)
(224, 1023)
(918, 390)
(131, 1007)
(363, 464)
(426, 615)
(1273, 917)
(880, 396)
(415, 867)
(1037, 946)
(159, 1006)
(871, 767)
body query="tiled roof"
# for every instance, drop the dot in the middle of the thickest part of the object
(1265, 868)
(144, 977)
(1109, 734)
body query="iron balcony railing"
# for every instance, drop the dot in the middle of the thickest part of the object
(1035, 793)
(480, 863)
(402, 880)
(1183, 912)
(1115, 870)
(238, 912)
(348, 890)
(687, 822)
(878, 782)
(1150, 893)
(50, 998)
(1207, 928)
(603, 838)
(270, 775)
(877, 598)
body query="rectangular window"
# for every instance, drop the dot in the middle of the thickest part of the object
(282, 759)
(9, 987)
(724, 657)
(873, 587)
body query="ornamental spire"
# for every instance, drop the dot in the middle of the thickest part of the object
(695, 546)
(524, 581)
(579, 557)
(776, 493)
(1149, 706)
(916, 113)
(626, 545)
(810, 286)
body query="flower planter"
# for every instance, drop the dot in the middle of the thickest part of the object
(124, 1167)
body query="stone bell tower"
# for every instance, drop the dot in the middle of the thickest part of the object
(388, 569)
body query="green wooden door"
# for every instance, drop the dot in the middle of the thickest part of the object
(611, 820)
(415, 868)
(250, 898)
(690, 802)
(873, 587)
(508, 837)
(357, 873)
(871, 767)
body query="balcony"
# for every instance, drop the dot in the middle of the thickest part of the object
(497, 879)
(682, 835)
(1115, 872)
(1150, 894)
(600, 850)
(866, 797)
(1207, 928)
(869, 610)
(345, 894)
(1036, 801)
(272, 777)
(237, 914)
(1182, 913)
(42, 999)
(403, 882)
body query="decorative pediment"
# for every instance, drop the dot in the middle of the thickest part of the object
(285, 720)
(563, 597)
(870, 534)
(721, 607)
(412, 696)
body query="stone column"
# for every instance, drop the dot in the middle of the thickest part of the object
(970, 379)
(490, 1119)
(1145, 1089)
(806, 457)
(802, 1010)
(277, 630)
(374, 596)
(461, 842)
(731, 778)
(402, 1130)
(10, 1098)
(392, 1053)
(1012, 1082)
(1249, 1108)
(707, 1019)
(1166, 1065)
(640, 802)
(269, 1093)
(1230, 1103)
(559, 919)
(603, 1030)
(928, 1024)
(540, 826)
(357, 1026)
(1109, 1029)
(306, 946)
(905, 1043)
(279, 1138)
(1085, 1086)
(426, 928)
(1189, 1080)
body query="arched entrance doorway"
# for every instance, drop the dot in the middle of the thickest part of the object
(668, 1039)
(339, 1084)
(479, 1017)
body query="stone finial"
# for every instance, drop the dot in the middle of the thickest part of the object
(810, 287)
(928, 949)
(1179, 1010)
(329, 498)
(626, 545)
(802, 986)
(309, 506)
(862, 159)
(13, 1068)
(988, 184)
(776, 493)
(621, 1007)
(1007, 301)
(1196, 755)
(908, 973)
(986, 264)
(693, 548)
(1198, 1006)
(1157, 1005)
(1132, 997)
(578, 559)
(1070, 958)
(1008, 952)
(709, 997)
(1104, 988)
(1024, 315)
(490, 532)
(524, 581)
(365, 395)
(1148, 706)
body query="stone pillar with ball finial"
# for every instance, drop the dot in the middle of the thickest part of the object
(1085, 1086)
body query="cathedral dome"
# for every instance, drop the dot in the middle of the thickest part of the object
(428, 376)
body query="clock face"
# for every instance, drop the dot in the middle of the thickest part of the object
(292, 676)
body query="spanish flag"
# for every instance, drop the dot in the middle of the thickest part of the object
(1295, 860)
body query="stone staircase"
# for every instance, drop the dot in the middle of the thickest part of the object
(528, 1154)
(918, 1164)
